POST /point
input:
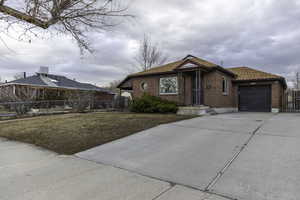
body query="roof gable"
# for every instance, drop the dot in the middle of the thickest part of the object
(171, 67)
(187, 66)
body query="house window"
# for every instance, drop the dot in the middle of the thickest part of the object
(144, 86)
(168, 85)
(224, 86)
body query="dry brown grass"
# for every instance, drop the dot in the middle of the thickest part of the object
(72, 133)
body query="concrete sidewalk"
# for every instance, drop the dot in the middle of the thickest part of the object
(31, 173)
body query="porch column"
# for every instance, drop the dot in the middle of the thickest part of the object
(181, 88)
(200, 86)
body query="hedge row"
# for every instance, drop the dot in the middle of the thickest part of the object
(152, 104)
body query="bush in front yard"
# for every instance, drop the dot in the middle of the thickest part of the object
(152, 104)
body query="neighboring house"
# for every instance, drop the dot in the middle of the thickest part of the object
(194, 81)
(45, 86)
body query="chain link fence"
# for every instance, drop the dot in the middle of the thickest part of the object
(291, 101)
(61, 106)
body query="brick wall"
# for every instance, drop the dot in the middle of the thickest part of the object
(277, 92)
(213, 96)
(212, 90)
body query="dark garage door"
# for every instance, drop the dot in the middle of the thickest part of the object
(255, 98)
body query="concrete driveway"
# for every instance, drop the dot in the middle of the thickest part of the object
(31, 173)
(247, 156)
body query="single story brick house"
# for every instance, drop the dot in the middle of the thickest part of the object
(193, 81)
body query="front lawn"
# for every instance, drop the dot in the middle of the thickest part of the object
(72, 133)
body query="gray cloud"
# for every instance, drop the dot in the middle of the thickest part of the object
(256, 33)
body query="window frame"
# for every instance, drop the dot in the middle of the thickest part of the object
(141, 86)
(225, 86)
(159, 86)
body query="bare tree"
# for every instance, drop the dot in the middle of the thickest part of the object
(19, 76)
(80, 100)
(20, 100)
(297, 81)
(19, 94)
(74, 17)
(149, 54)
(113, 86)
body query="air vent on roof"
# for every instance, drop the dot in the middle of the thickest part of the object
(44, 70)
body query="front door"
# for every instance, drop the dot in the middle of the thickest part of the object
(196, 88)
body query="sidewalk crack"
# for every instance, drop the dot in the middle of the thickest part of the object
(164, 192)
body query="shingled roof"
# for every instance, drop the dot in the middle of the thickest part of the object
(249, 74)
(174, 65)
(55, 81)
(246, 73)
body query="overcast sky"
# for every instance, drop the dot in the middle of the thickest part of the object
(263, 34)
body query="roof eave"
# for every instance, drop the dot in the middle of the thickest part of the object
(144, 75)
(119, 86)
(53, 87)
(222, 69)
(281, 79)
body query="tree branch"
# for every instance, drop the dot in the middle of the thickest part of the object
(74, 17)
(22, 16)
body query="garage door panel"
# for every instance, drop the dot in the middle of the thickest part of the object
(255, 98)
